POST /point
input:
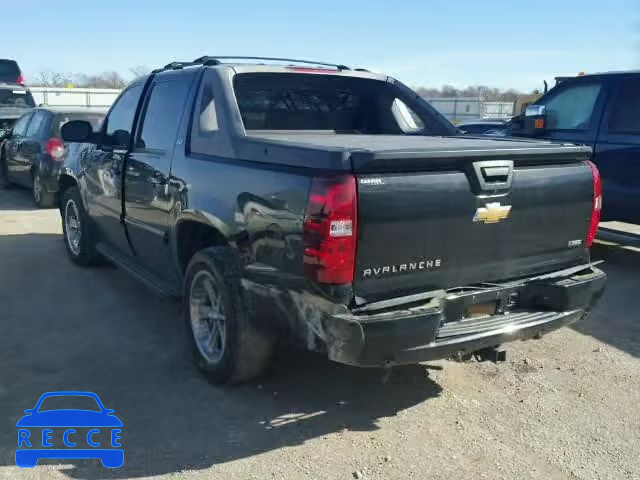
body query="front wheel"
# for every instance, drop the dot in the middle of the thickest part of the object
(41, 197)
(76, 228)
(227, 346)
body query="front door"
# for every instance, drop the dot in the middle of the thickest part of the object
(147, 198)
(617, 152)
(103, 166)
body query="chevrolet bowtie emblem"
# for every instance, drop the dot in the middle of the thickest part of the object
(492, 213)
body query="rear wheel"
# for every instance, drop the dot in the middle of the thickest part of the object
(76, 227)
(41, 196)
(227, 347)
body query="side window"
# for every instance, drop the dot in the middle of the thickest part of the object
(163, 114)
(572, 107)
(625, 108)
(20, 127)
(39, 117)
(407, 119)
(205, 118)
(120, 119)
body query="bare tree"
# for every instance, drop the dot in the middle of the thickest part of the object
(47, 78)
(481, 92)
(110, 79)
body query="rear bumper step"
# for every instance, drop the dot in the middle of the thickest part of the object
(439, 329)
(496, 323)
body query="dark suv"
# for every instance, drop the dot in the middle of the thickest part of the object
(15, 101)
(10, 72)
(330, 208)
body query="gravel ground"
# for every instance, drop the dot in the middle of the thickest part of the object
(564, 407)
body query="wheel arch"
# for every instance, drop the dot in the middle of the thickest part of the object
(65, 182)
(194, 231)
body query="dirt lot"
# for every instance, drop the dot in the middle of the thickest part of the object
(566, 406)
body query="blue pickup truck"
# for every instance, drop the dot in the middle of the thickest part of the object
(603, 111)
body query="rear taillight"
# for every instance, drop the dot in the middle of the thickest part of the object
(597, 205)
(20, 80)
(55, 148)
(330, 230)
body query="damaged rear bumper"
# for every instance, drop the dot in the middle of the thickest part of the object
(440, 326)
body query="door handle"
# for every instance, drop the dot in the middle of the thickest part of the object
(491, 176)
(495, 174)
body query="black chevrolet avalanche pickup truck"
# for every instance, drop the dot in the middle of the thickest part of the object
(331, 208)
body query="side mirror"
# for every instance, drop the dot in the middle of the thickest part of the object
(29, 411)
(535, 120)
(78, 131)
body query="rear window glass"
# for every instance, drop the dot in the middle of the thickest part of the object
(16, 98)
(331, 103)
(95, 119)
(9, 71)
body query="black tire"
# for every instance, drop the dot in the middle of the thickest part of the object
(245, 351)
(84, 252)
(41, 197)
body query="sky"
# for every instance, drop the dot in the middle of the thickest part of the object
(506, 44)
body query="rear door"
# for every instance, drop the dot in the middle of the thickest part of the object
(147, 198)
(12, 148)
(617, 151)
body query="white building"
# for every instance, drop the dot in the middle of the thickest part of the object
(82, 97)
(465, 109)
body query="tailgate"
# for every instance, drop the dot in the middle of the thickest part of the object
(465, 222)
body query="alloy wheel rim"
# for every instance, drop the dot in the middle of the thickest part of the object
(72, 226)
(37, 188)
(208, 319)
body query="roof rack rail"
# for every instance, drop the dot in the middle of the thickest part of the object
(217, 58)
(179, 65)
(208, 60)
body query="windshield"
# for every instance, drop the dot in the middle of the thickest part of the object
(69, 402)
(16, 98)
(327, 103)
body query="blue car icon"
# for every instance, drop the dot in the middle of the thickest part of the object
(96, 427)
